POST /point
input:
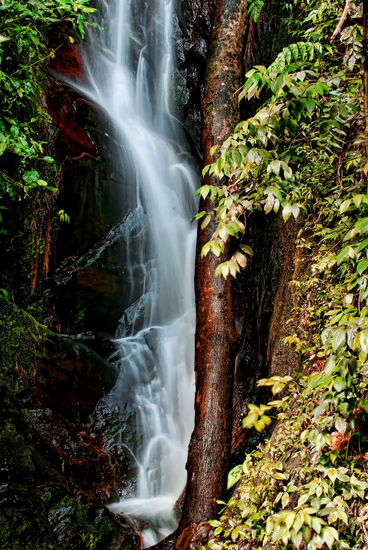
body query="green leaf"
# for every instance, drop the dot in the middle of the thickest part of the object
(344, 206)
(362, 245)
(285, 499)
(213, 150)
(14, 130)
(204, 191)
(321, 380)
(206, 221)
(247, 249)
(362, 266)
(286, 212)
(31, 176)
(50, 160)
(295, 210)
(236, 157)
(339, 338)
(341, 425)
(234, 475)
(303, 499)
(331, 473)
(199, 216)
(215, 523)
(343, 255)
(205, 170)
(340, 384)
(362, 341)
(316, 525)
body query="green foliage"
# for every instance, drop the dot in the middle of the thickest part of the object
(24, 54)
(304, 152)
(63, 216)
(254, 9)
(16, 453)
(310, 103)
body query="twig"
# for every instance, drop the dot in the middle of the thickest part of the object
(340, 24)
(84, 154)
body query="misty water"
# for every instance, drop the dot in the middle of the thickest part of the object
(129, 75)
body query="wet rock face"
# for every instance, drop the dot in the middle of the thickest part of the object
(66, 385)
(55, 471)
(72, 378)
(49, 386)
(84, 291)
(68, 112)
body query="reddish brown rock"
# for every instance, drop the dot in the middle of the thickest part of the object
(65, 109)
(68, 61)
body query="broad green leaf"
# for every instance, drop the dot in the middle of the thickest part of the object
(247, 249)
(233, 476)
(339, 338)
(362, 266)
(206, 221)
(286, 212)
(198, 216)
(341, 425)
(344, 206)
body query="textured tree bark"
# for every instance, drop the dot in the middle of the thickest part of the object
(210, 445)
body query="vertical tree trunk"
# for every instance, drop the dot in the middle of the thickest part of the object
(210, 445)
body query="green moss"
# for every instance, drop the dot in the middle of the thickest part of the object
(16, 453)
(91, 530)
(19, 335)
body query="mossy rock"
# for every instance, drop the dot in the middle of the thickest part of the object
(66, 375)
(49, 518)
(47, 455)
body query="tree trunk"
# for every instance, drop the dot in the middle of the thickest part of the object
(210, 445)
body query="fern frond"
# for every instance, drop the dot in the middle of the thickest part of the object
(300, 51)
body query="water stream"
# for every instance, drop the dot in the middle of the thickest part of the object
(130, 76)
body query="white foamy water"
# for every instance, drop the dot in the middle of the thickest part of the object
(129, 75)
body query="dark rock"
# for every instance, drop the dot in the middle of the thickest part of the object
(71, 378)
(47, 516)
(56, 471)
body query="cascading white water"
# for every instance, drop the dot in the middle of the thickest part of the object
(129, 74)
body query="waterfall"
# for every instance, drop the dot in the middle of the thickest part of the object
(130, 76)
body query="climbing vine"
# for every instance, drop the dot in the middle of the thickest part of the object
(303, 154)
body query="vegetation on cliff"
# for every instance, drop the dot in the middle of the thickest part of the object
(304, 153)
(24, 56)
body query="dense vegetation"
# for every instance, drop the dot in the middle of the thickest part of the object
(304, 153)
(24, 56)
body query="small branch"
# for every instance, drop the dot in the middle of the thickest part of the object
(340, 24)
(84, 154)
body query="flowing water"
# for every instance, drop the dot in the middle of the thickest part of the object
(130, 76)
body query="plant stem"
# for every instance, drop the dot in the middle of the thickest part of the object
(343, 18)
